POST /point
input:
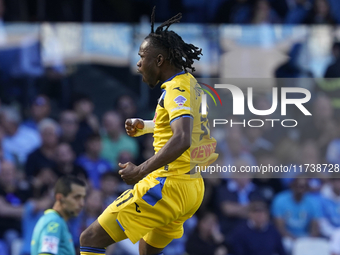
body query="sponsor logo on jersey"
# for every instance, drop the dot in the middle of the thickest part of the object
(181, 90)
(52, 227)
(203, 151)
(180, 100)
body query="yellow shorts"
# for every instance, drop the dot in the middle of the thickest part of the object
(159, 205)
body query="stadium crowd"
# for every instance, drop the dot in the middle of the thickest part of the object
(216, 11)
(44, 136)
(238, 216)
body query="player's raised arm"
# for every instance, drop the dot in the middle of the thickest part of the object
(175, 147)
(138, 127)
(177, 144)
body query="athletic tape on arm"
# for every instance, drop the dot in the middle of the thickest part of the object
(149, 126)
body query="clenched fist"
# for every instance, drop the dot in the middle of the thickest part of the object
(132, 126)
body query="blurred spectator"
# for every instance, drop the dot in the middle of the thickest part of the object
(129, 11)
(234, 11)
(42, 200)
(195, 10)
(281, 7)
(43, 181)
(88, 122)
(178, 246)
(109, 186)
(69, 125)
(93, 208)
(2, 10)
(309, 153)
(146, 149)
(126, 106)
(4, 155)
(12, 199)
(210, 194)
(292, 68)
(297, 11)
(333, 151)
(335, 243)
(207, 239)
(315, 186)
(254, 139)
(65, 158)
(44, 155)
(233, 199)
(114, 139)
(125, 156)
(330, 205)
(333, 70)
(11, 11)
(33, 210)
(257, 236)
(331, 84)
(39, 110)
(335, 7)
(233, 148)
(19, 140)
(268, 187)
(2, 33)
(295, 213)
(262, 13)
(109, 11)
(320, 14)
(320, 127)
(91, 161)
(287, 151)
(266, 136)
(69, 11)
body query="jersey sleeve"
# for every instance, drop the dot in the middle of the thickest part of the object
(177, 101)
(50, 238)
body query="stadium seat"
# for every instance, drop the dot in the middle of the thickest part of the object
(311, 246)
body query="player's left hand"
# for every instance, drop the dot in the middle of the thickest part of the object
(130, 173)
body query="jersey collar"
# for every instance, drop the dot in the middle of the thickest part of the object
(182, 72)
(51, 211)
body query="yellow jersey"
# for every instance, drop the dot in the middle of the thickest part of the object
(181, 97)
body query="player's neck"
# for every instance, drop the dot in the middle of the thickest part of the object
(168, 73)
(59, 210)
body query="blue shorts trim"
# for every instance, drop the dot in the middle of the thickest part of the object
(120, 225)
(153, 195)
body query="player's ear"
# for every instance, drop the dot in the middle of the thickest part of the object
(59, 197)
(160, 59)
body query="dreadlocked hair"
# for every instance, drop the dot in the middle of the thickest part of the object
(180, 54)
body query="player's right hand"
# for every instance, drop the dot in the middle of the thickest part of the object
(132, 126)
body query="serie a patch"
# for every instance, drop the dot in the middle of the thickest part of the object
(50, 244)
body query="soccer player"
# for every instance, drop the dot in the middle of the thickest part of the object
(51, 234)
(167, 189)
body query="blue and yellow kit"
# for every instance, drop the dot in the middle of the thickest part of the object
(51, 236)
(181, 97)
(158, 205)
